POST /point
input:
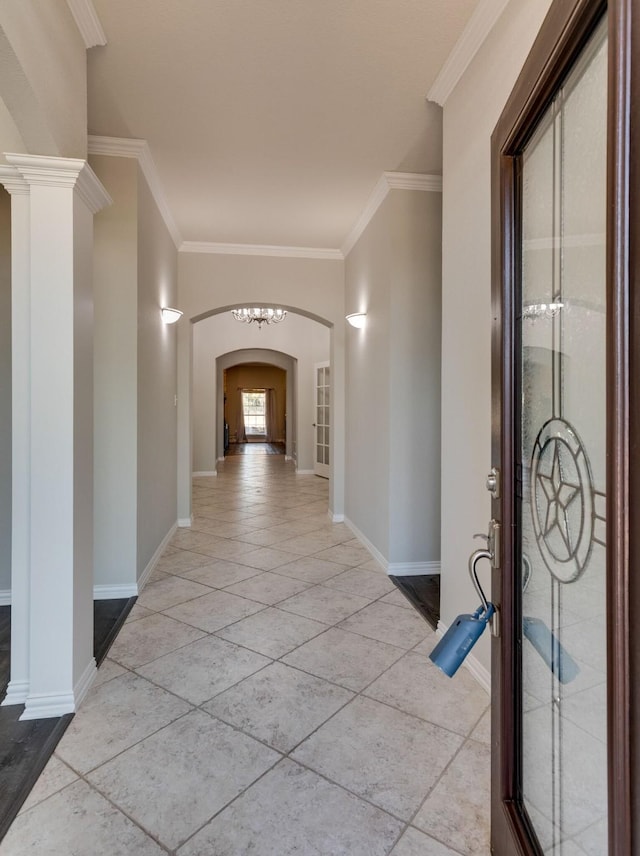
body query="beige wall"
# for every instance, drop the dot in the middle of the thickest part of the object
(135, 274)
(470, 115)
(368, 424)
(157, 384)
(43, 76)
(5, 393)
(248, 376)
(393, 382)
(115, 285)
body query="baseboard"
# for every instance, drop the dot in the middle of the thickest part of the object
(377, 555)
(185, 522)
(471, 663)
(48, 705)
(5, 597)
(203, 473)
(335, 518)
(305, 472)
(413, 569)
(144, 576)
(112, 592)
(17, 693)
(84, 683)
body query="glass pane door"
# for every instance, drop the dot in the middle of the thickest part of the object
(322, 419)
(563, 465)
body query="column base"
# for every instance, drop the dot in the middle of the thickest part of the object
(46, 705)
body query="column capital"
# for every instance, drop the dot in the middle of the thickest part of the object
(12, 181)
(73, 173)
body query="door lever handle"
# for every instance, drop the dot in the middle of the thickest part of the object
(474, 558)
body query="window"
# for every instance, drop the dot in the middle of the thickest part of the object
(254, 406)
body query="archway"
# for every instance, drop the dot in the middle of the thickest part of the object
(186, 336)
(269, 357)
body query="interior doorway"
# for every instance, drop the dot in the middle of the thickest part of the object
(255, 369)
(255, 408)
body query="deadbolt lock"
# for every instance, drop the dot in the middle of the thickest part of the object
(493, 483)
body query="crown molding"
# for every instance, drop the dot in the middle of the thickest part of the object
(92, 191)
(478, 28)
(260, 250)
(12, 181)
(389, 181)
(121, 147)
(413, 181)
(88, 23)
(72, 173)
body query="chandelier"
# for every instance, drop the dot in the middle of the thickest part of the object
(264, 315)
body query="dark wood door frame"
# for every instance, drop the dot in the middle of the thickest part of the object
(563, 35)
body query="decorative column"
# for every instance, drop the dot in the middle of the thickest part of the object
(56, 475)
(20, 433)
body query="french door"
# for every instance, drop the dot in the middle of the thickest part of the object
(322, 423)
(564, 763)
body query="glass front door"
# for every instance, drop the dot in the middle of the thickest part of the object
(560, 501)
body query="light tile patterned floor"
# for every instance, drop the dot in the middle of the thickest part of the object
(270, 694)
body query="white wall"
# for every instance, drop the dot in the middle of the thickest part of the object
(470, 115)
(305, 340)
(43, 76)
(5, 392)
(393, 382)
(209, 281)
(157, 382)
(115, 283)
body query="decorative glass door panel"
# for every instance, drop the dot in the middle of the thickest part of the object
(562, 464)
(323, 419)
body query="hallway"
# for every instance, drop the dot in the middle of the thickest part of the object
(269, 694)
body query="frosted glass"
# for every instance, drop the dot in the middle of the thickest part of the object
(563, 461)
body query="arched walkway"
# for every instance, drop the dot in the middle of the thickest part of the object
(269, 357)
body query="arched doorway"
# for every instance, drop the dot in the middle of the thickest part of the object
(266, 357)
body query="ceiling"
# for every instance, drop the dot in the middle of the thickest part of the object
(270, 121)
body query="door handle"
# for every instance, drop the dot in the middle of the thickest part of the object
(493, 542)
(474, 558)
(492, 558)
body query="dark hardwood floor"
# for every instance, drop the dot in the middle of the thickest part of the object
(423, 592)
(5, 648)
(25, 747)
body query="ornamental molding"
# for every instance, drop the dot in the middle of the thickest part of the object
(87, 21)
(476, 31)
(260, 250)
(122, 147)
(12, 181)
(73, 173)
(389, 181)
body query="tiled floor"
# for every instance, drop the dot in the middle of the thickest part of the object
(270, 694)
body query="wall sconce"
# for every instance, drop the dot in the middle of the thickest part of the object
(170, 316)
(357, 319)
